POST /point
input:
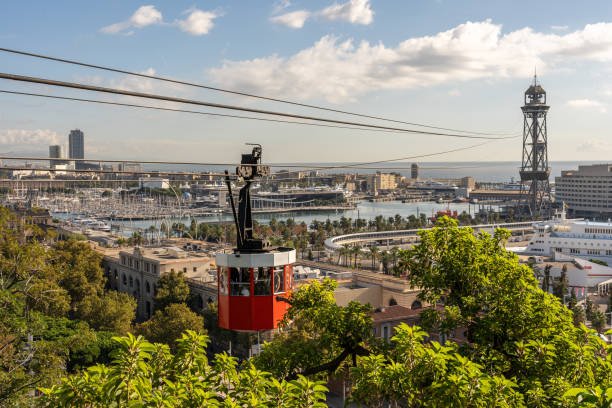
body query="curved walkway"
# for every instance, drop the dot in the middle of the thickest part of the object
(334, 243)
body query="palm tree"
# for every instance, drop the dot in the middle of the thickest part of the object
(373, 253)
(347, 253)
(356, 252)
(395, 255)
(385, 258)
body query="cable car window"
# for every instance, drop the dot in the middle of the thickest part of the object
(279, 279)
(263, 281)
(223, 281)
(240, 282)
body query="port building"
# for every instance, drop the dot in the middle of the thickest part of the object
(587, 192)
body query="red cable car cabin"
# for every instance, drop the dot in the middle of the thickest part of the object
(248, 287)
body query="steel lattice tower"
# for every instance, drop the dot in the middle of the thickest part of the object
(535, 189)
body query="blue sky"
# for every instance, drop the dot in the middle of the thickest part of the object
(461, 64)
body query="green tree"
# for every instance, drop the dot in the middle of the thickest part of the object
(373, 254)
(560, 287)
(589, 307)
(578, 316)
(598, 320)
(148, 375)
(112, 311)
(80, 273)
(323, 335)
(420, 374)
(572, 300)
(546, 280)
(172, 288)
(168, 324)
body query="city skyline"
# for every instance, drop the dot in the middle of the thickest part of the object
(463, 66)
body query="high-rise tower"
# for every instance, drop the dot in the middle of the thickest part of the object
(76, 144)
(535, 189)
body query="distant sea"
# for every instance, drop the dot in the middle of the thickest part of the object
(481, 171)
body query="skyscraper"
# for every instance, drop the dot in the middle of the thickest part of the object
(414, 171)
(56, 152)
(76, 144)
(76, 147)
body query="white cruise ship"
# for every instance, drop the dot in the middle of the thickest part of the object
(572, 238)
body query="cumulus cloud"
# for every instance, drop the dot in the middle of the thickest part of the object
(295, 19)
(341, 70)
(280, 6)
(23, 137)
(354, 11)
(586, 104)
(144, 16)
(198, 22)
(559, 27)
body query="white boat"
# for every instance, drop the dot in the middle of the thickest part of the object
(579, 238)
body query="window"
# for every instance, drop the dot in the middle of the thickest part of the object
(574, 251)
(185, 269)
(263, 281)
(148, 287)
(279, 279)
(131, 282)
(385, 332)
(146, 267)
(124, 279)
(240, 282)
(116, 275)
(195, 268)
(222, 281)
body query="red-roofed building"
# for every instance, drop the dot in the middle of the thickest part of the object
(386, 319)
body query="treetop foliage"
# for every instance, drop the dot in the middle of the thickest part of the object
(148, 375)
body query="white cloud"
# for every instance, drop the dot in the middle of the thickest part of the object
(144, 16)
(595, 146)
(586, 104)
(198, 22)
(354, 11)
(23, 137)
(341, 70)
(295, 19)
(280, 6)
(559, 27)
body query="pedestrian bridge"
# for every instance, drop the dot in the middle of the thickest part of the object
(406, 236)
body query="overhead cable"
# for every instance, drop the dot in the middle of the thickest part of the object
(233, 92)
(74, 85)
(132, 105)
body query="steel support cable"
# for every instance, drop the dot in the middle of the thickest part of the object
(359, 166)
(132, 105)
(211, 88)
(152, 172)
(74, 85)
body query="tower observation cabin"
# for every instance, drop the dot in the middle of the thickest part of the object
(254, 278)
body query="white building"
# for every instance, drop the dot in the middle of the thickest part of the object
(587, 191)
(154, 183)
